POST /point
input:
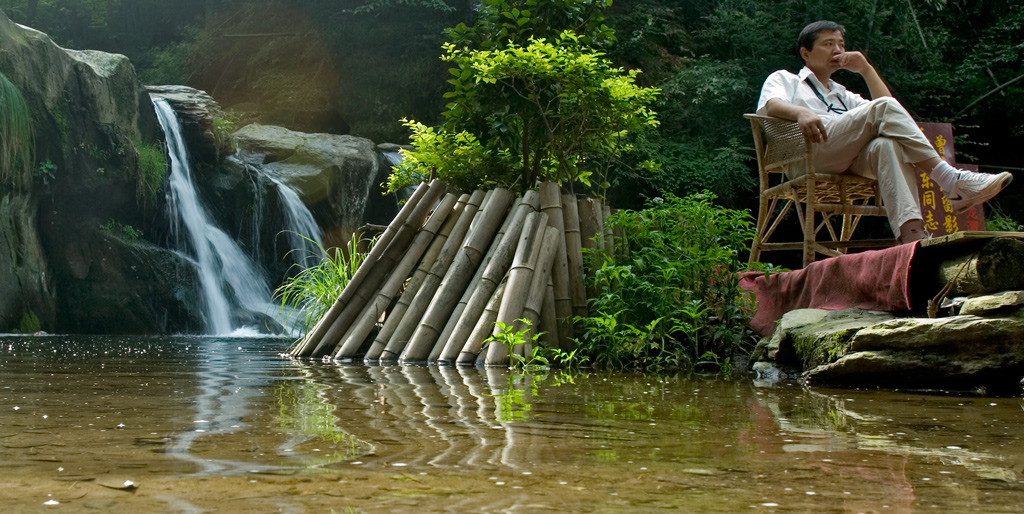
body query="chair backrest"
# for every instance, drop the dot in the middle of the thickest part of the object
(780, 146)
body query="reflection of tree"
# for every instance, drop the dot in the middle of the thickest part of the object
(304, 409)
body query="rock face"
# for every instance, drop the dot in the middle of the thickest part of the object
(854, 348)
(85, 233)
(199, 115)
(337, 176)
(92, 121)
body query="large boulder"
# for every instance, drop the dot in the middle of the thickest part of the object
(963, 353)
(126, 285)
(337, 176)
(203, 125)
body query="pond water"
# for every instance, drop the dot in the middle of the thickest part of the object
(206, 424)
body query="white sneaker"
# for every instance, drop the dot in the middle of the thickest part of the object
(975, 188)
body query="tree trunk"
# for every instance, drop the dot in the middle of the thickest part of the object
(997, 265)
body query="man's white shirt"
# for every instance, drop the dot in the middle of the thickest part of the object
(799, 89)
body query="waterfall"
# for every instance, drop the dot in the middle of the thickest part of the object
(303, 231)
(228, 277)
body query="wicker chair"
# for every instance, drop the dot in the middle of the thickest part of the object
(816, 197)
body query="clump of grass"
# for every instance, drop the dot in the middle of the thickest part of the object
(313, 290)
(152, 168)
(17, 136)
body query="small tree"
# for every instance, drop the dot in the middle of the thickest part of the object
(532, 108)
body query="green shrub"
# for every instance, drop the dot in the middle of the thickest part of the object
(668, 295)
(121, 231)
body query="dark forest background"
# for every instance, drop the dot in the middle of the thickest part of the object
(360, 66)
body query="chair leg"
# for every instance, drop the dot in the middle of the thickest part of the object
(761, 230)
(809, 234)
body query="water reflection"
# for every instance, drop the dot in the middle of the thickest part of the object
(186, 407)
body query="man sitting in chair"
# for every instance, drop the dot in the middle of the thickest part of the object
(875, 139)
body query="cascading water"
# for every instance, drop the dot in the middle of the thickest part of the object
(228, 277)
(303, 231)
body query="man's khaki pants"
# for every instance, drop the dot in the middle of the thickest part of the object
(878, 140)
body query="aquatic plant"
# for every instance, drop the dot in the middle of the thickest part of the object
(313, 290)
(512, 338)
(667, 295)
(17, 136)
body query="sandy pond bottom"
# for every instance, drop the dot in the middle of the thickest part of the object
(190, 425)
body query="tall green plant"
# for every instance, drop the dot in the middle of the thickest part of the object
(17, 137)
(313, 290)
(668, 295)
(532, 89)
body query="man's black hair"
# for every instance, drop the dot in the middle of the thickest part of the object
(810, 33)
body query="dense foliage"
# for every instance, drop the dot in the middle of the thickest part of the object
(668, 296)
(533, 103)
(375, 62)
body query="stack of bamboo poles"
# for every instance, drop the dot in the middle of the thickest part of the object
(448, 268)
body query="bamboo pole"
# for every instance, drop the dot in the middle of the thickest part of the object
(608, 243)
(483, 326)
(483, 287)
(397, 313)
(419, 303)
(589, 228)
(449, 327)
(547, 261)
(356, 335)
(548, 322)
(380, 270)
(551, 204)
(574, 256)
(304, 347)
(519, 281)
(314, 337)
(463, 268)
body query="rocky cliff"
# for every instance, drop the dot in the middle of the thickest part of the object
(77, 216)
(86, 242)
